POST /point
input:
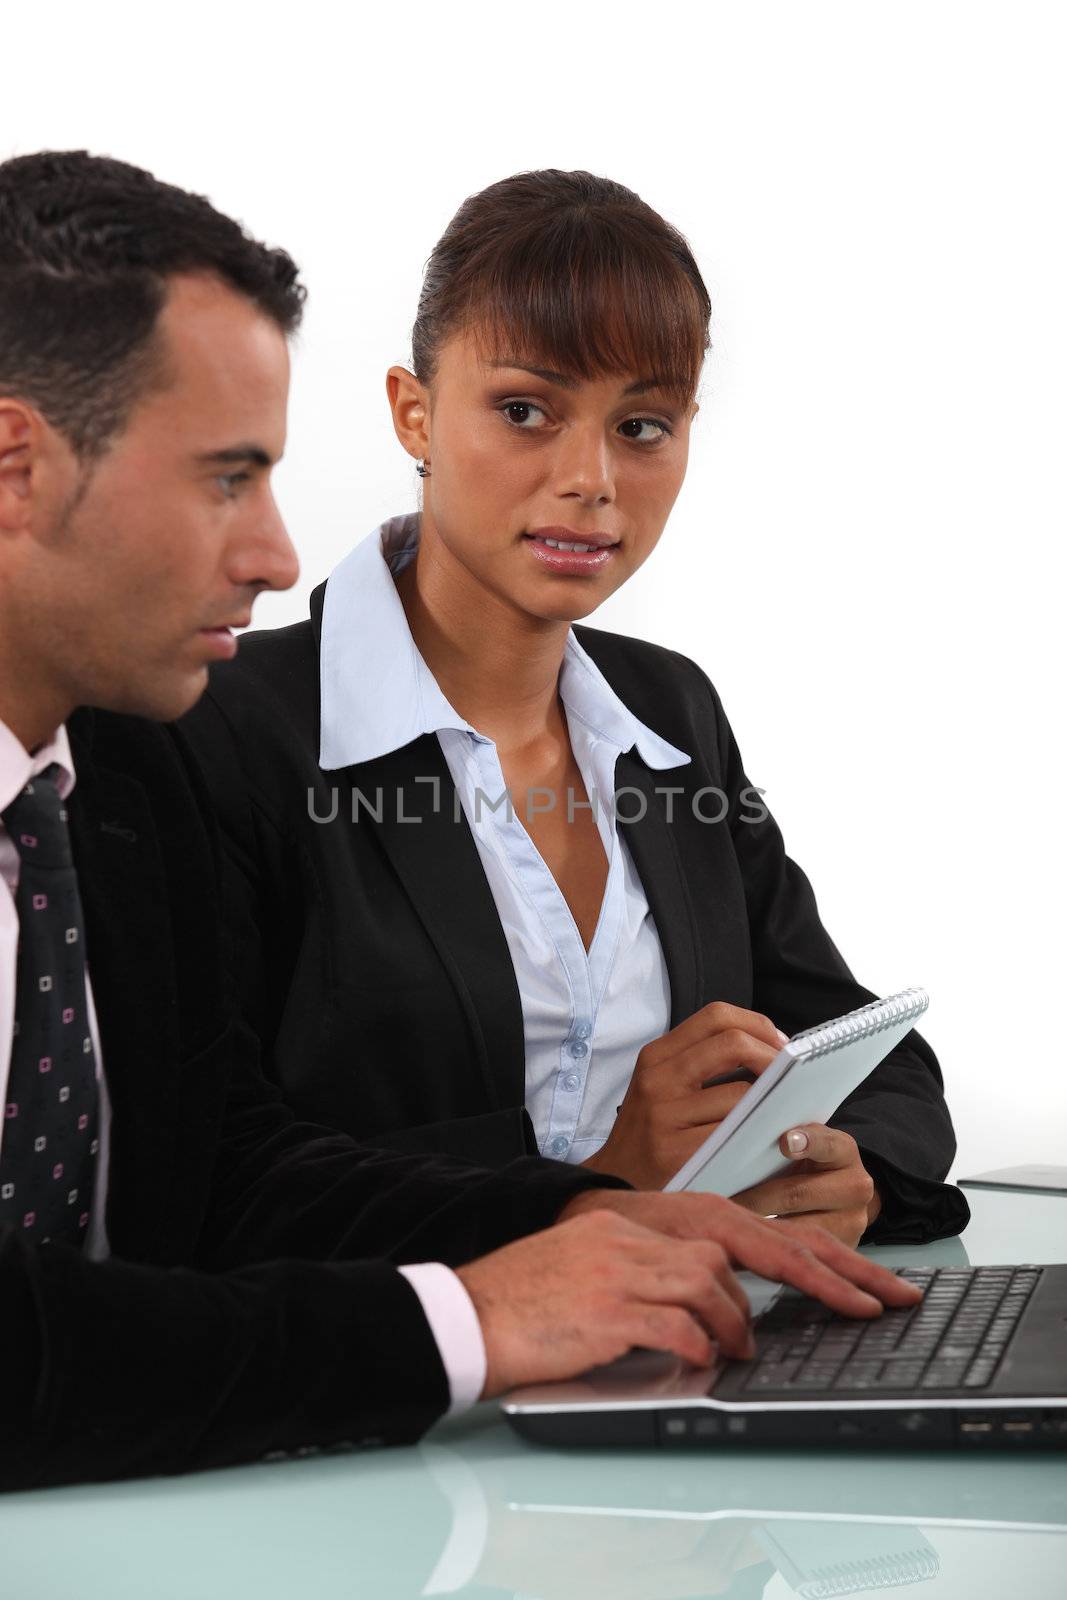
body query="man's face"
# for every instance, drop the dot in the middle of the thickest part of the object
(176, 530)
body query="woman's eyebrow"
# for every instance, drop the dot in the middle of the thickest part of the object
(567, 382)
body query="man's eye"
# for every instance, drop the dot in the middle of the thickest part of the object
(524, 406)
(662, 430)
(230, 483)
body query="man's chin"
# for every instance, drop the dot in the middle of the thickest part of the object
(163, 700)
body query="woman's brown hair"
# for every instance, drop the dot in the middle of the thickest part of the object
(569, 270)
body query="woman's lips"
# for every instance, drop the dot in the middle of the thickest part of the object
(570, 563)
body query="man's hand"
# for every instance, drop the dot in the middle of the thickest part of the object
(829, 1186)
(620, 1270)
(666, 1113)
(803, 1255)
(588, 1290)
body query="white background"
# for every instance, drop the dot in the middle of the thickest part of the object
(867, 553)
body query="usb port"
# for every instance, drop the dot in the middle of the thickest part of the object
(976, 1427)
(1018, 1427)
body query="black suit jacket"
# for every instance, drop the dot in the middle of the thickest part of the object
(251, 1304)
(373, 965)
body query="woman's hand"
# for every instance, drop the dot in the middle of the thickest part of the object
(667, 1113)
(829, 1186)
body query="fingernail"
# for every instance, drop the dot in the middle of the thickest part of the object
(797, 1141)
(783, 1036)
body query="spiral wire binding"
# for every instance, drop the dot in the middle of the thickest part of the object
(867, 1020)
(882, 1573)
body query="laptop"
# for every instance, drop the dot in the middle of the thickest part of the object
(979, 1363)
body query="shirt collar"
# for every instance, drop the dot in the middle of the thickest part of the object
(378, 694)
(18, 765)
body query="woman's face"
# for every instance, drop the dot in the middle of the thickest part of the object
(522, 461)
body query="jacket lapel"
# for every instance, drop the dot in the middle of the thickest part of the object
(438, 864)
(437, 861)
(128, 935)
(652, 846)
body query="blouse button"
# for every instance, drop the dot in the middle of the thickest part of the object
(578, 1049)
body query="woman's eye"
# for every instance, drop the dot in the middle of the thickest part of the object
(526, 408)
(524, 414)
(662, 430)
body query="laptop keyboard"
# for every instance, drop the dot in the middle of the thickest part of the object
(953, 1338)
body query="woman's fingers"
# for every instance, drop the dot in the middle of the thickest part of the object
(702, 1108)
(711, 1020)
(719, 1053)
(826, 1147)
(848, 1225)
(803, 1190)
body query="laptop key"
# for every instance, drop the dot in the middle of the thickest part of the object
(815, 1377)
(771, 1377)
(946, 1376)
(902, 1374)
(980, 1373)
(890, 1379)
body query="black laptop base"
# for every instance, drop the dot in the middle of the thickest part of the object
(980, 1363)
(1036, 1428)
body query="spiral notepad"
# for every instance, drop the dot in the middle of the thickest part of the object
(806, 1082)
(824, 1559)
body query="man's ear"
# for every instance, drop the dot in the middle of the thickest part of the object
(17, 448)
(38, 469)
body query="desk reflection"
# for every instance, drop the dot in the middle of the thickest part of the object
(476, 1513)
(668, 1527)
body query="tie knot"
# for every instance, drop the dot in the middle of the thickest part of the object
(36, 822)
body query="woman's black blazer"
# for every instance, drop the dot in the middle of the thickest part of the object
(370, 958)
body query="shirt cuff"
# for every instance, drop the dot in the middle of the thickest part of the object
(449, 1310)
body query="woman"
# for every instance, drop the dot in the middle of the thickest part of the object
(449, 933)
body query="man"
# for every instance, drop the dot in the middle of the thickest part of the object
(188, 1276)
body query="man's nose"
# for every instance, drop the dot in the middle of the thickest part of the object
(265, 558)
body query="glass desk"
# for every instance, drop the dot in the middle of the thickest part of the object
(473, 1511)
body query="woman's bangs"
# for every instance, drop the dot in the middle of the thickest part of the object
(594, 319)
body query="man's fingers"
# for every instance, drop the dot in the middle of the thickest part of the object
(728, 1324)
(826, 1147)
(717, 1300)
(811, 1260)
(862, 1276)
(867, 1274)
(659, 1327)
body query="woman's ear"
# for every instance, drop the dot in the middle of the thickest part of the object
(409, 403)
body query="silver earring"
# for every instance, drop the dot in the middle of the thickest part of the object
(421, 469)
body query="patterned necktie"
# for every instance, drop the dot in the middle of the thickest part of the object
(50, 1137)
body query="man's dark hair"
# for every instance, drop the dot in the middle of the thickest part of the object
(86, 247)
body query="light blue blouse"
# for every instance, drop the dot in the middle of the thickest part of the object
(585, 1014)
